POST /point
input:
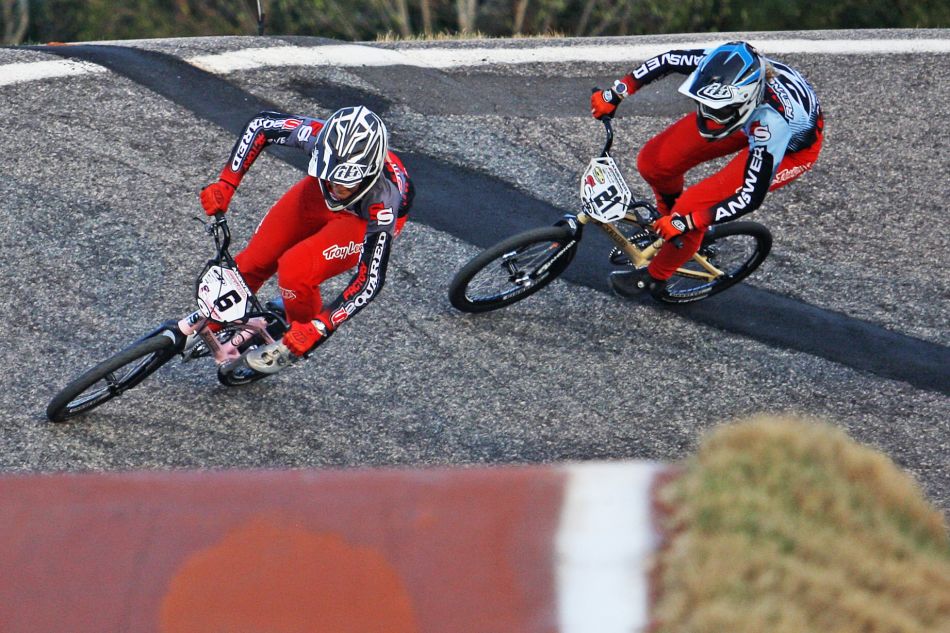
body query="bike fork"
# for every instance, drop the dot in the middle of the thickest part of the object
(227, 351)
(197, 323)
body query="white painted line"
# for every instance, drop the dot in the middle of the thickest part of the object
(354, 55)
(332, 55)
(32, 71)
(852, 47)
(604, 546)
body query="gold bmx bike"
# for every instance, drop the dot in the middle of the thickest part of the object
(521, 265)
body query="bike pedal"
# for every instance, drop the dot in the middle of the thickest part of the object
(276, 305)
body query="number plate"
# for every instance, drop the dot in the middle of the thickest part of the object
(604, 192)
(222, 295)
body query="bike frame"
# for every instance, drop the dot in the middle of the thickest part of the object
(643, 213)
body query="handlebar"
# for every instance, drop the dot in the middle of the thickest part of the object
(608, 126)
(608, 143)
(222, 233)
(219, 230)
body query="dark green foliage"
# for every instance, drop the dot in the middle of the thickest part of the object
(89, 20)
(84, 20)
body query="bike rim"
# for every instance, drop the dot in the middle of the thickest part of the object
(731, 254)
(514, 273)
(112, 384)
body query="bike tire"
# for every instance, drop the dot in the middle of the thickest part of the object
(540, 249)
(239, 375)
(139, 360)
(736, 248)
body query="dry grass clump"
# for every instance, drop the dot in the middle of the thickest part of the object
(788, 526)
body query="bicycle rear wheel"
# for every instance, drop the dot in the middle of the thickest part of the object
(513, 269)
(112, 377)
(734, 249)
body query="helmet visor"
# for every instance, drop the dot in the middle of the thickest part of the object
(724, 115)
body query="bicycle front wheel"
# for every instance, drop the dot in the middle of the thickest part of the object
(112, 377)
(729, 253)
(513, 269)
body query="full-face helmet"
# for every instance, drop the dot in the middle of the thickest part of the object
(349, 155)
(728, 85)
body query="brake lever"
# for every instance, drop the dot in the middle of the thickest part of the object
(206, 226)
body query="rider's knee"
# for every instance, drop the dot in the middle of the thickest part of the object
(293, 270)
(651, 166)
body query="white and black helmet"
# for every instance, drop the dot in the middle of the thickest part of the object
(350, 151)
(728, 85)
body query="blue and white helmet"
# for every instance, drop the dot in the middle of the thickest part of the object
(350, 150)
(728, 85)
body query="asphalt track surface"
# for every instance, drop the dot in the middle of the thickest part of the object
(103, 194)
(746, 310)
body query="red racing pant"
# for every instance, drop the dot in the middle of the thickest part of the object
(666, 158)
(305, 243)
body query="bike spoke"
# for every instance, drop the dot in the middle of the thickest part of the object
(114, 383)
(512, 270)
(722, 259)
(514, 273)
(708, 265)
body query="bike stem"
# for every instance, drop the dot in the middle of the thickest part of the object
(222, 234)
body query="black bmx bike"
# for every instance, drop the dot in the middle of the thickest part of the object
(521, 265)
(228, 313)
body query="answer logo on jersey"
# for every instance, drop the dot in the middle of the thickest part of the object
(371, 284)
(670, 59)
(347, 174)
(743, 195)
